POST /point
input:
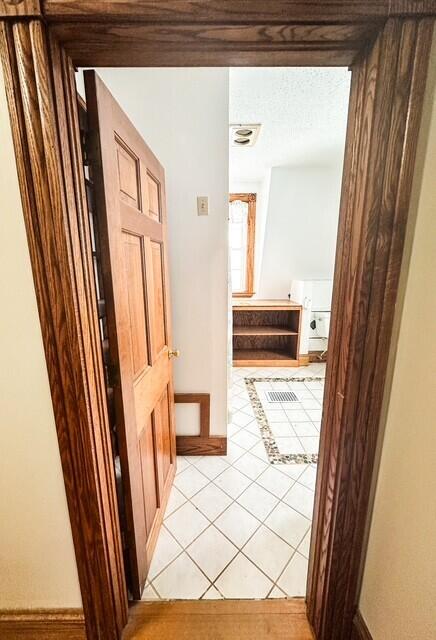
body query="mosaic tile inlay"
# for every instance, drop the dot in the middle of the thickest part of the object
(271, 448)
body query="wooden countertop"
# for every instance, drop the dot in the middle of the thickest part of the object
(264, 304)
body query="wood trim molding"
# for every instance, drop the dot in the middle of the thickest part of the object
(317, 356)
(385, 109)
(42, 624)
(222, 44)
(69, 136)
(251, 199)
(271, 12)
(19, 8)
(237, 32)
(198, 446)
(360, 630)
(245, 197)
(49, 176)
(203, 444)
(203, 399)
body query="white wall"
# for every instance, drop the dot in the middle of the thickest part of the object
(398, 599)
(301, 227)
(37, 562)
(183, 116)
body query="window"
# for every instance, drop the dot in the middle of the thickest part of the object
(241, 232)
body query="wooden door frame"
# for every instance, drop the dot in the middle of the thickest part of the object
(251, 200)
(387, 44)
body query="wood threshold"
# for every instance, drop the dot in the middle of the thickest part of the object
(223, 619)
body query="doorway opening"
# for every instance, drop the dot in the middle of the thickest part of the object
(284, 206)
(388, 49)
(255, 225)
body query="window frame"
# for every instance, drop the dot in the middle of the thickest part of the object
(251, 199)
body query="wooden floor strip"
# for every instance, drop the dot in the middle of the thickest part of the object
(219, 620)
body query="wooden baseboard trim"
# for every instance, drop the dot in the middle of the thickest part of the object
(317, 356)
(360, 630)
(198, 446)
(42, 624)
(203, 444)
(303, 359)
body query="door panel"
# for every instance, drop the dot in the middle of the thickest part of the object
(162, 413)
(130, 201)
(153, 198)
(134, 260)
(127, 175)
(158, 298)
(149, 473)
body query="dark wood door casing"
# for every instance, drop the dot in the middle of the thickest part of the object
(385, 108)
(389, 57)
(47, 147)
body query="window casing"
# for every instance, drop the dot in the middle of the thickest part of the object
(242, 224)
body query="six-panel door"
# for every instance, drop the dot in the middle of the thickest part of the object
(130, 198)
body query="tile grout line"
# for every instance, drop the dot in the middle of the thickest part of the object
(233, 500)
(240, 549)
(211, 522)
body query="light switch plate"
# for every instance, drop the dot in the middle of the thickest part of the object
(202, 205)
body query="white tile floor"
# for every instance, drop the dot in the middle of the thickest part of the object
(237, 526)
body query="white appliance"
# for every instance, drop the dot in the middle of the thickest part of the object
(315, 297)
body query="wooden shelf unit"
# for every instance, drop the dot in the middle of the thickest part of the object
(266, 333)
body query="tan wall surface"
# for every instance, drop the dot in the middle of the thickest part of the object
(37, 562)
(398, 599)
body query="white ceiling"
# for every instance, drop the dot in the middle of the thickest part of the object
(303, 112)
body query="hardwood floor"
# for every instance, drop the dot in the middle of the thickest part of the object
(219, 620)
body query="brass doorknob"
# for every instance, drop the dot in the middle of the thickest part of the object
(173, 353)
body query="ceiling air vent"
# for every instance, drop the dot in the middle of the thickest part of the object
(244, 135)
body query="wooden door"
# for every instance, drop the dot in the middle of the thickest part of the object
(130, 201)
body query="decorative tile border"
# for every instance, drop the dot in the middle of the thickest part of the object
(271, 448)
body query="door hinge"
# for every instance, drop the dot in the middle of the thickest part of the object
(92, 147)
(113, 375)
(124, 544)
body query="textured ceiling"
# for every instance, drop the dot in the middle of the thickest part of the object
(303, 112)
